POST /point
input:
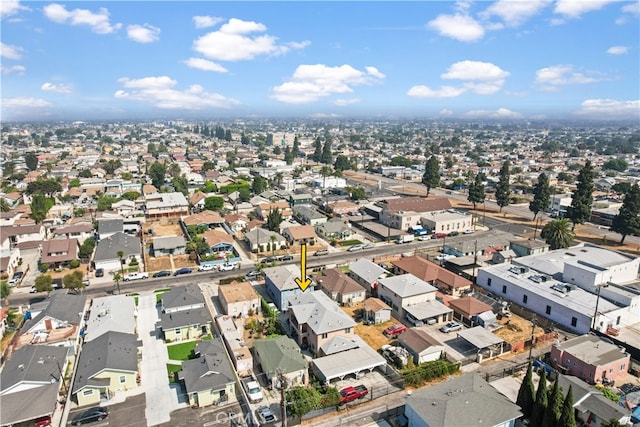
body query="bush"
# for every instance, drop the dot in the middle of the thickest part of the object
(134, 261)
(429, 371)
(44, 267)
(74, 263)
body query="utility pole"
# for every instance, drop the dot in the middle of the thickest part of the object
(475, 260)
(533, 329)
(283, 402)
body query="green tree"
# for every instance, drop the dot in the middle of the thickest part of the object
(431, 176)
(40, 205)
(44, 283)
(75, 182)
(73, 281)
(31, 160)
(476, 191)
(111, 165)
(503, 188)
(582, 198)
(87, 247)
(213, 203)
(525, 399)
(628, 219)
(558, 233)
(541, 196)
(317, 150)
(120, 258)
(540, 404)
(5, 290)
(274, 219)
(4, 205)
(244, 194)
(568, 416)
(356, 193)
(130, 195)
(157, 173)
(619, 165)
(295, 151)
(554, 406)
(105, 202)
(208, 165)
(611, 423)
(342, 163)
(327, 155)
(117, 278)
(181, 184)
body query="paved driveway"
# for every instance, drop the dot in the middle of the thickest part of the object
(160, 398)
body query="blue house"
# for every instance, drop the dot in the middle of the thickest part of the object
(281, 285)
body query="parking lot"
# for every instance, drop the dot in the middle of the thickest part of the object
(129, 413)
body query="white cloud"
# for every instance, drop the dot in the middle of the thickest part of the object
(57, 88)
(10, 52)
(617, 50)
(205, 65)
(460, 27)
(422, 91)
(515, 12)
(17, 69)
(10, 7)
(160, 93)
(345, 102)
(206, 21)
(25, 102)
(143, 33)
(549, 78)
(445, 112)
(632, 8)
(576, 8)
(234, 42)
(312, 82)
(500, 113)
(99, 22)
(609, 109)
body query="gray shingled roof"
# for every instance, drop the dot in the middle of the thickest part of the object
(319, 312)
(210, 371)
(168, 242)
(180, 319)
(61, 306)
(33, 364)
(110, 226)
(110, 351)
(107, 249)
(367, 270)
(182, 296)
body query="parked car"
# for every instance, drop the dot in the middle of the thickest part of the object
(99, 272)
(441, 257)
(33, 289)
(356, 247)
(265, 416)
(321, 252)
(136, 276)
(423, 238)
(468, 232)
(254, 274)
(90, 415)
(185, 270)
(227, 267)
(454, 234)
(17, 276)
(451, 327)
(439, 235)
(349, 394)
(268, 260)
(253, 389)
(395, 330)
(207, 267)
(368, 246)
(162, 273)
(286, 258)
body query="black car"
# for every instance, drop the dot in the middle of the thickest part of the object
(185, 270)
(286, 258)
(268, 260)
(99, 272)
(89, 416)
(162, 273)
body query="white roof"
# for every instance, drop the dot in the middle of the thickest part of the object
(479, 337)
(111, 313)
(406, 285)
(338, 365)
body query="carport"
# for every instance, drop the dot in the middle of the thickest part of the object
(354, 361)
(433, 309)
(487, 344)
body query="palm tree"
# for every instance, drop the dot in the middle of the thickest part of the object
(273, 244)
(558, 233)
(120, 256)
(117, 278)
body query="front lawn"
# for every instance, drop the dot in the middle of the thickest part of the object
(350, 242)
(172, 371)
(181, 351)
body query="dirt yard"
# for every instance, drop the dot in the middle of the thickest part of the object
(371, 334)
(156, 229)
(515, 329)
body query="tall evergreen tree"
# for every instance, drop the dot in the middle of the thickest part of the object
(582, 198)
(274, 219)
(296, 147)
(31, 160)
(317, 150)
(541, 401)
(476, 191)
(503, 188)
(327, 155)
(541, 196)
(568, 416)
(554, 406)
(431, 176)
(628, 219)
(526, 393)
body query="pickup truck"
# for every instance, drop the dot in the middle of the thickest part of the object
(136, 276)
(349, 394)
(253, 389)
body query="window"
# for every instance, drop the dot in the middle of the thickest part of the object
(489, 282)
(347, 330)
(525, 298)
(87, 392)
(325, 336)
(623, 367)
(123, 379)
(618, 320)
(178, 331)
(548, 310)
(574, 321)
(504, 289)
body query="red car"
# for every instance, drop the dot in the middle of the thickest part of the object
(349, 394)
(439, 235)
(395, 330)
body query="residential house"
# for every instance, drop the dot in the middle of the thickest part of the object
(124, 208)
(209, 379)
(263, 209)
(209, 219)
(341, 288)
(166, 205)
(443, 279)
(113, 313)
(412, 299)
(376, 311)
(80, 231)
(300, 199)
(447, 221)
(25, 236)
(467, 400)
(4, 324)
(262, 240)
(107, 365)
(219, 241)
(590, 358)
(335, 228)
(421, 346)
(239, 299)
(236, 222)
(306, 214)
(405, 212)
(314, 319)
(466, 308)
(59, 252)
(9, 261)
(300, 235)
(280, 284)
(106, 254)
(528, 247)
(196, 200)
(367, 273)
(54, 320)
(184, 315)
(30, 383)
(109, 227)
(232, 331)
(343, 207)
(281, 356)
(182, 298)
(168, 245)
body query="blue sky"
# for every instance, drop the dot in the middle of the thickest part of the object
(504, 59)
